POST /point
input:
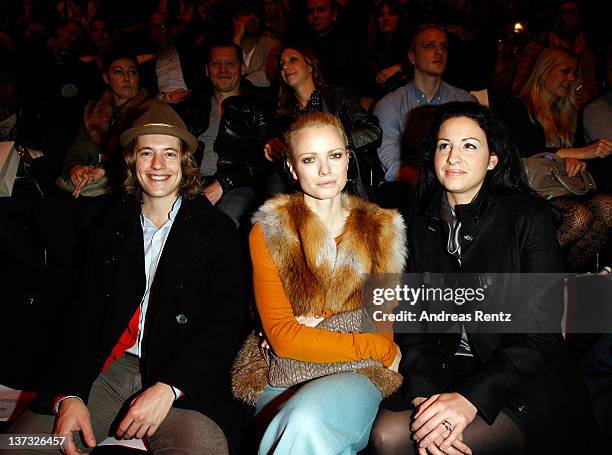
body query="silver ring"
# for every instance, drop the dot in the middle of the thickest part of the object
(449, 426)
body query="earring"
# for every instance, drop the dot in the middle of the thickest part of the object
(287, 169)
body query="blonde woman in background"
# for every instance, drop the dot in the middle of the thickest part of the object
(545, 119)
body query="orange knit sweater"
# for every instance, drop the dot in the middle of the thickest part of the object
(296, 341)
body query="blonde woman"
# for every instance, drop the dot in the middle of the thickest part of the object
(544, 119)
(311, 252)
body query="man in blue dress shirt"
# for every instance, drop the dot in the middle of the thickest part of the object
(428, 53)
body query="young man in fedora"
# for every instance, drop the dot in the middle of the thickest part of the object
(159, 316)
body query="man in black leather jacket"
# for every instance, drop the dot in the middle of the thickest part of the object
(233, 161)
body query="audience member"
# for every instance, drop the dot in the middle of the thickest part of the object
(303, 90)
(93, 163)
(566, 33)
(34, 12)
(103, 39)
(468, 391)
(428, 53)
(335, 46)
(275, 18)
(152, 368)
(259, 48)
(545, 119)
(386, 55)
(176, 73)
(69, 41)
(232, 165)
(304, 235)
(102, 35)
(79, 11)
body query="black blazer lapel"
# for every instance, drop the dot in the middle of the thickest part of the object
(181, 255)
(134, 243)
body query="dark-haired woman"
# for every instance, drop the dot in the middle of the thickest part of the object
(93, 163)
(386, 55)
(469, 391)
(303, 90)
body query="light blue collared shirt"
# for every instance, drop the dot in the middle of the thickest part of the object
(392, 110)
(154, 241)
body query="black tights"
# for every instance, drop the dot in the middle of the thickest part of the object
(391, 435)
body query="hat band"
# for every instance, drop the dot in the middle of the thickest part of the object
(159, 124)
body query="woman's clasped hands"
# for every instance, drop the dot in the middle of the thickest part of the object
(82, 175)
(439, 421)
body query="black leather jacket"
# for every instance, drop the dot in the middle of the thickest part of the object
(364, 135)
(242, 135)
(529, 375)
(361, 128)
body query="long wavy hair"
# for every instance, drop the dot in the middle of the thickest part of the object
(507, 177)
(286, 94)
(558, 118)
(189, 187)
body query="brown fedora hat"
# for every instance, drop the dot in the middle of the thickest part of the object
(160, 119)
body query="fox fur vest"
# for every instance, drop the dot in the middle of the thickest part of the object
(319, 277)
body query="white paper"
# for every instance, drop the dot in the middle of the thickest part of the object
(131, 443)
(13, 402)
(9, 162)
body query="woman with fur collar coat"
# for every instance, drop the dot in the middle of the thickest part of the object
(92, 166)
(311, 251)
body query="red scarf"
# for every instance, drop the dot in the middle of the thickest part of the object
(126, 341)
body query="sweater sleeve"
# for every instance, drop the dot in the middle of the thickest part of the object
(82, 151)
(293, 340)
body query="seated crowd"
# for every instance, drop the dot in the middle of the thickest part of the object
(204, 186)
